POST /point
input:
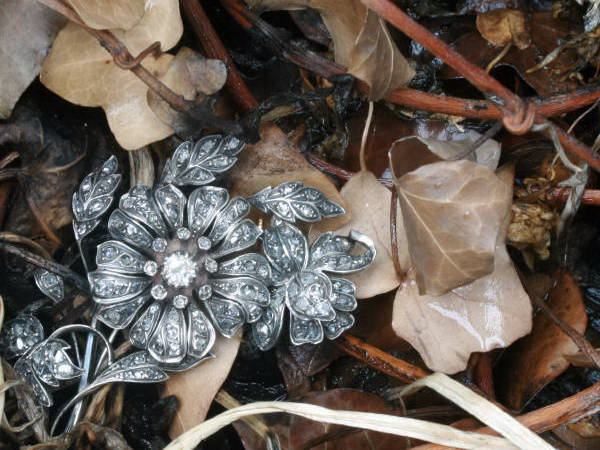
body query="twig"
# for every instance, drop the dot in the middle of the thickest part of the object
(78, 281)
(199, 112)
(214, 48)
(394, 233)
(411, 98)
(581, 342)
(380, 360)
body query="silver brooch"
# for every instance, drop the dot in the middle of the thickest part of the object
(183, 263)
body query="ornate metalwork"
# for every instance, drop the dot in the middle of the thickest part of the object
(19, 335)
(319, 305)
(50, 284)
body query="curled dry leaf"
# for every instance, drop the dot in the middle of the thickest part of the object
(27, 29)
(361, 42)
(196, 388)
(540, 357)
(503, 26)
(489, 313)
(274, 160)
(452, 214)
(368, 203)
(106, 14)
(189, 74)
(82, 72)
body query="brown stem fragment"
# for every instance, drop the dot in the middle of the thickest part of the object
(214, 48)
(378, 359)
(394, 233)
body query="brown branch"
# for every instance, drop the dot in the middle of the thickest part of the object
(394, 233)
(214, 48)
(476, 109)
(517, 116)
(378, 359)
(199, 112)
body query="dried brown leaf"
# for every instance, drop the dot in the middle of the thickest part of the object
(540, 357)
(361, 42)
(489, 313)
(196, 388)
(502, 26)
(106, 14)
(27, 29)
(81, 71)
(274, 160)
(452, 214)
(368, 203)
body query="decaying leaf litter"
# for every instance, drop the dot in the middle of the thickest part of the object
(475, 179)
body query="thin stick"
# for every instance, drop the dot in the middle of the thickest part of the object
(394, 233)
(382, 361)
(365, 135)
(214, 48)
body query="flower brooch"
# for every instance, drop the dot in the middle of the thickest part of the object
(184, 262)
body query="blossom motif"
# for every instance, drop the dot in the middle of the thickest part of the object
(319, 305)
(172, 259)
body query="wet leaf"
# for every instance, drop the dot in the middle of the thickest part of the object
(82, 72)
(452, 214)
(361, 42)
(368, 203)
(540, 357)
(105, 14)
(195, 388)
(502, 26)
(274, 160)
(27, 29)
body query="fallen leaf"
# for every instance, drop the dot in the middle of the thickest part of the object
(27, 29)
(196, 388)
(502, 26)
(547, 33)
(189, 73)
(295, 432)
(452, 214)
(489, 313)
(361, 42)
(82, 72)
(106, 14)
(273, 160)
(368, 203)
(539, 358)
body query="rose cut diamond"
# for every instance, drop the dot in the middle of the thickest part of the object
(179, 270)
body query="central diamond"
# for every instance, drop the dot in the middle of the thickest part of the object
(179, 269)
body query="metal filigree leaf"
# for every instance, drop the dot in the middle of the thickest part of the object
(203, 205)
(308, 295)
(305, 331)
(19, 335)
(228, 217)
(50, 284)
(333, 253)
(120, 315)
(267, 329)
(286, 249)
(171, 202)
(51, 362)
(196, 165)
(109, 288)
(24, 369)
(240, 236)
(168, 343)
(250, 264)
(142, 329)
(139, 204)
(93, 198)
(227, 315)
(290, 201)
(114, 255)
(201, 334)
(342, 322)
(188, 363)
(123, 228)
(138, 367)
(242, 289)
(342, 298)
